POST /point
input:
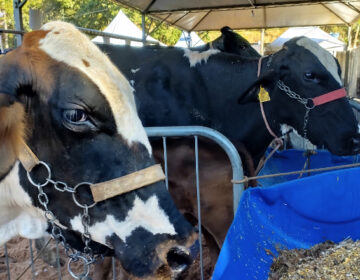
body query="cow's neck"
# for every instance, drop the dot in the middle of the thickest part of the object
(249, 128)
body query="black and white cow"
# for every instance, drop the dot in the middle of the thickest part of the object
(184, 87)
(76, 112)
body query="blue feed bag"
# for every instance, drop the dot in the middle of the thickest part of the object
(294, 214)
(294, 160)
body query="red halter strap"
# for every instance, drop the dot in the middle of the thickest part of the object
(330, 96)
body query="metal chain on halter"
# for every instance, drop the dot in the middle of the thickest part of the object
(307, 102)
(87, 257)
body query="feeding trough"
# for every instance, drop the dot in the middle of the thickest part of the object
(293, 214)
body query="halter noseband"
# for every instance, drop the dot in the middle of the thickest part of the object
(108, 189)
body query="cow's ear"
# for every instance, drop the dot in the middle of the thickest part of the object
(12, 132)
(251, 93)
(12, 114)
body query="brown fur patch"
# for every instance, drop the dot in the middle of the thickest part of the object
(12, 134)
(57, 32)
(32, 39)
(34, 63)
(86, 63)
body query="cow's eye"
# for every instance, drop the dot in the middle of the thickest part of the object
(75, 116)
(77, 120)
(309, 76)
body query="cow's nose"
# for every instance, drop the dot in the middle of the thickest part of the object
(179, 259)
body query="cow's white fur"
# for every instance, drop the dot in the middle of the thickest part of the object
(196, 57)
(144, 214)
(18, 216)
(325, 58)
(66, 44)
(297, 141)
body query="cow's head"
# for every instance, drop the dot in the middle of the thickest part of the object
(309, 71)
(232, 42)
(76, 112)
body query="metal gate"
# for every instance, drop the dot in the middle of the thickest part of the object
(164, 133)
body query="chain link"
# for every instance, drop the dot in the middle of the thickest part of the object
(87, 256)
(307, 102)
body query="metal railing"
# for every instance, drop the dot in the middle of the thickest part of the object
(94, 32)
(164, 133)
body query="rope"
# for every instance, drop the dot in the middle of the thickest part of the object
(37, 256)
(246, 179)
(263, 161)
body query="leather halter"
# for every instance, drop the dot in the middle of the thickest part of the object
(108, 189)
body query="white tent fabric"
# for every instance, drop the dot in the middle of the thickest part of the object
(324, 39)
(196, 15)
(188, 40)
(122, 25)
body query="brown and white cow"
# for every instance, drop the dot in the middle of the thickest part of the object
(76, 112)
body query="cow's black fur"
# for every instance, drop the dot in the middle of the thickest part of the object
(170, 92)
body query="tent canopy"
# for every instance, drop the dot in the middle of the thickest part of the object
(188, 40)
(196, 15)
(122, 25)
(324, 39)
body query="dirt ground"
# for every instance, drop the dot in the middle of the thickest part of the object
(19, 259)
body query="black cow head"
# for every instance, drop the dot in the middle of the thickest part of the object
(232, 42)
(309, 71)
(76, 112)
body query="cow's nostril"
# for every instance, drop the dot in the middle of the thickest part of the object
(178, 259)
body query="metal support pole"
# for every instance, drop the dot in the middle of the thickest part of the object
(347, 60)
(349, 38)
(262, 39)
(215, 136)
(17, 4)
(143, 28)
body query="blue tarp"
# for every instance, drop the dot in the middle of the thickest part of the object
(294, 214)
(293, 160)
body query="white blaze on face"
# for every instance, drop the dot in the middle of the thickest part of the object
(18, 216)
(325, 58)
(66, 44)
(196, 57)
(144, 214)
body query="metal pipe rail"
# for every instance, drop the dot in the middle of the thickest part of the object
(223, 142)
(91, 32)
(214, 135)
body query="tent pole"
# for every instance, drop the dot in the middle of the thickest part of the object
(347, 60)
(349, 38)
(143, 27)
(262, 39)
